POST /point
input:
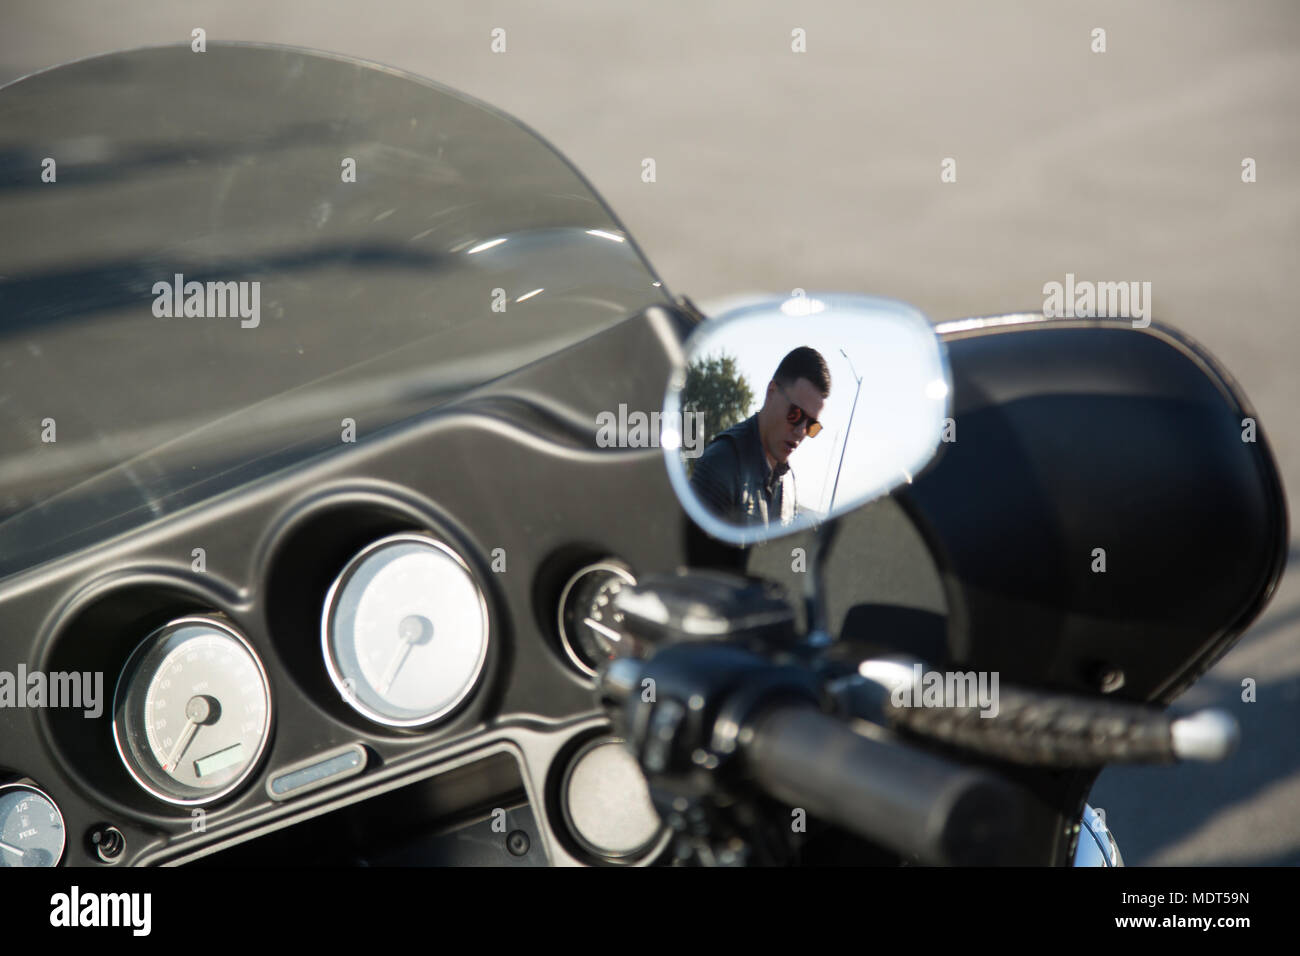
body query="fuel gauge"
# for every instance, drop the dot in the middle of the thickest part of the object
(31, 827)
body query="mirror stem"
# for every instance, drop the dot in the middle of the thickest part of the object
(815, 611)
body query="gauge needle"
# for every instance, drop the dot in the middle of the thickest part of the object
(11, 849)
(413, 630)
(199, 711)
(174, 758)
(609, 632)
(395, 665)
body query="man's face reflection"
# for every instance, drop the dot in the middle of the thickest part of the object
(784, 421)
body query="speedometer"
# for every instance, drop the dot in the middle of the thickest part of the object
(405, 631)
(192, 711)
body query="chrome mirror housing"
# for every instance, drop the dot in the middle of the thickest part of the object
(791, 411)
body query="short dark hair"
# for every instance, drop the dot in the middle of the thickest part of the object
(805, 362)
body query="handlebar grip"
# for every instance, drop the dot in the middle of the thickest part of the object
(1055, 730)
(922, 806)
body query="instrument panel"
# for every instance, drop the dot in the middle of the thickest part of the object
(480, 543)
(376, 630)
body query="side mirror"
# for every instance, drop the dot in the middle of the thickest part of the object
(792, 411)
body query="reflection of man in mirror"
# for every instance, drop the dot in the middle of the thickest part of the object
(744, 475)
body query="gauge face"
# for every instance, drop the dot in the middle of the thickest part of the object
(405, 631)
(607, 803)
(589, 625)
(192, 711)
(31, 827)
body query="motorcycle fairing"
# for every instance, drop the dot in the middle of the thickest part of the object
(403, 244)
(1083, 441)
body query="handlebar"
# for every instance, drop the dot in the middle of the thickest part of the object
(922, 806)
(927, 808)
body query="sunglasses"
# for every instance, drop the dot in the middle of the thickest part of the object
(796, 415)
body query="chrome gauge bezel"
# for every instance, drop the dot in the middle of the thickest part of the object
(609, 565)
(332, 666)
(127, 676)
(63, 824)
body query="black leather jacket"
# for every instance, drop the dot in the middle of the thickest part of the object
(733, 479)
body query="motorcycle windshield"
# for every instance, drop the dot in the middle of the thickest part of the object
(219, 264)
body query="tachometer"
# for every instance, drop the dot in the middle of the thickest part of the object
(405, 631)
(192, 711)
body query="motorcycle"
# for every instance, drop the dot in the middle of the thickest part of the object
(355, 449)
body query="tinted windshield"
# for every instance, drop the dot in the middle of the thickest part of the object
(218, 264)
